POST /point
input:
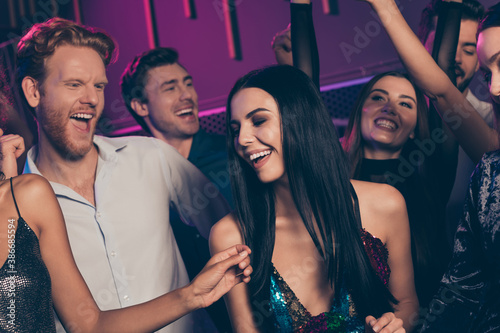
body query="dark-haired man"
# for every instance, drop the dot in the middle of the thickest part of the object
(466, 66)
(115, 194)
(159, 93)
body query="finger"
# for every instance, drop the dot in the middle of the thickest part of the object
(244, 263)
(234, 260)
(1, 132)
(233, 250)
(382, 322)
(248, 271)
(395, 325)
(370, 320)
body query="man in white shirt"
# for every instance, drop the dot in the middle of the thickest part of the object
(114, 193)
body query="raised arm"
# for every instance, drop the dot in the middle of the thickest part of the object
(443, 162)
(72, 299)
(297, 44)
(473, 134)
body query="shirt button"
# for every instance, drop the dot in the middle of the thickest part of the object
(98, 214)
(113, 253)
(126, 297)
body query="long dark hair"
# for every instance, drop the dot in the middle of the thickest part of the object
(429, 252)
(353, 140)
(318, 174)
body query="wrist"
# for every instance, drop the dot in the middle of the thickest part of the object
(301, 1)
(192, 300)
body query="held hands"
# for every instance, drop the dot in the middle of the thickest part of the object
(11, 147)
(388, 323)
(221, 273)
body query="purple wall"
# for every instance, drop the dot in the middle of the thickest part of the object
(351, 45)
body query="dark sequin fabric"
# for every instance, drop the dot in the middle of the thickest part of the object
(378, 254)
(291, 316)
(25, 292)
(469, 297)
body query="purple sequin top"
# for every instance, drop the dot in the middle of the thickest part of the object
(291, 316)
(378, 254)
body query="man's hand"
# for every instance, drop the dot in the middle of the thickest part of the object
(282, 47)
(11, 147)
(221, 273)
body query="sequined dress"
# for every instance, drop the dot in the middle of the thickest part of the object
(291, 316)
(25, 292)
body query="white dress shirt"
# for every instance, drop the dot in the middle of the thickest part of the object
(124, 246)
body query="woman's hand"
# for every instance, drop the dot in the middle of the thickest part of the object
(388, 323)
(11, 147)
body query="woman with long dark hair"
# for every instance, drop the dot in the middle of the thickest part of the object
(387, 140)
(327, 252)
(392, 138)
(469, 298)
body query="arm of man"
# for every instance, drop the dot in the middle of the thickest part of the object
(197, 200)
(72, 299)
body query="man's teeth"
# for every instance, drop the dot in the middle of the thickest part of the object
(83, 116)
(386, 123)
(261, 154)
(185, 111)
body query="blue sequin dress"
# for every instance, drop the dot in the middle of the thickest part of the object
(291, 316)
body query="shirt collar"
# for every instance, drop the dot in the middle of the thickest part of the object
(107, 151)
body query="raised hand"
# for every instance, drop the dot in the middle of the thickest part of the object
(282, 47)
(221, 273)
(388, 323)
(11, 147)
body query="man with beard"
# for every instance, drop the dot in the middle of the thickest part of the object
(466, 65)
(114, 193)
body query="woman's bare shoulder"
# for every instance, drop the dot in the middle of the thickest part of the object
(32, 188)
(382, 208)
(225, 233)
(382, 198)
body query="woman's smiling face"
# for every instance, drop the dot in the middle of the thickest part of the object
(256, 129)
(389, 117)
